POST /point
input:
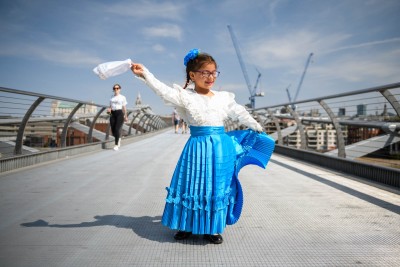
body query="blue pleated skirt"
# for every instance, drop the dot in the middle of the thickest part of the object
(204, 187)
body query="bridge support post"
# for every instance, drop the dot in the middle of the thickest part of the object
(133, 120)
(89, 138)
(20, 135)
(278, 127)
(67, 122)
(392, 100)
(300, 126)
(339, 133)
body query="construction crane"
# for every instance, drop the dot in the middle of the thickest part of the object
(256, 84)
(288, 93)
(252, 91)
(300, 83)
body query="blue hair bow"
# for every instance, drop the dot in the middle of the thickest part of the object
(191, 55)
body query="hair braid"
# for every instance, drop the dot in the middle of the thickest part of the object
(187, 81)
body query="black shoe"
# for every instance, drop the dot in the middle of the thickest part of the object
(180, 235)
(215, 239)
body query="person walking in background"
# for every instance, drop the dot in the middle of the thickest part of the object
(205, 194)
(175, 120)
(183, 126)
(118, 115)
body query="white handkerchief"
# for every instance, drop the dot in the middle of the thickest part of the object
(113, 68)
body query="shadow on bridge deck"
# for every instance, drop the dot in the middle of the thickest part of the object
(104, 209)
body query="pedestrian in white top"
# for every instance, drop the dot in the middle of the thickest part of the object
(175, 120)
(118, 115)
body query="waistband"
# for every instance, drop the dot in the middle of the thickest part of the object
(206, 130)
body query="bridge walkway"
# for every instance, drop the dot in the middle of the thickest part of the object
(104, 209)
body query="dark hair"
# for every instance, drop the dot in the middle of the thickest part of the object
(117, 85)
(196, 63)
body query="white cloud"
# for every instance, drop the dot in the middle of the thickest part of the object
(165, 31)
(275, 36)
(290, 49)
(147, 9)
(72, 57)
(367, 44)
(381, 68)
(68, 57)
(272, 6)
(232, 87)
(350, 64)
(158, 48)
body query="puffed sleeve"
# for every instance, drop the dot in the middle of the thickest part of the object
(170, 95)
(238, 112)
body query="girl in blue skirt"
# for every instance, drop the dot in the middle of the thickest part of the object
(205, 194)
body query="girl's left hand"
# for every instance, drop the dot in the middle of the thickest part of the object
(259, 129)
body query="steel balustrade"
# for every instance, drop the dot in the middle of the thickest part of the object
(17, 112)
(93, 123)
(22, 113)
(385, 98)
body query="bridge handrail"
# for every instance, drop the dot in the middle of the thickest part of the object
(22, 92)
(310, 115)
(356, 92)
(17, 112)
(143, 120)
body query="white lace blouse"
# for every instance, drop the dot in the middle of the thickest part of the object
(200, 110)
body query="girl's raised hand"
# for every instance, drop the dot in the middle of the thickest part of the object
(137, 69)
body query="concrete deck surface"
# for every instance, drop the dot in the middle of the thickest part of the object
(104, 209)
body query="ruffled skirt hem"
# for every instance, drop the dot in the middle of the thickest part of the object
(204, 188)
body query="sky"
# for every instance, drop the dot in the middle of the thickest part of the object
(52, 46)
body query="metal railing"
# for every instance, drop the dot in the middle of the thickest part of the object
(32, 123)
(345, 118)
(361, 127)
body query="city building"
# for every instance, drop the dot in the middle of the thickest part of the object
(63, 109)
(362, 110)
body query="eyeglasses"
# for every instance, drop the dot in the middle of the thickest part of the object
(116, 88)
(207, 74)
